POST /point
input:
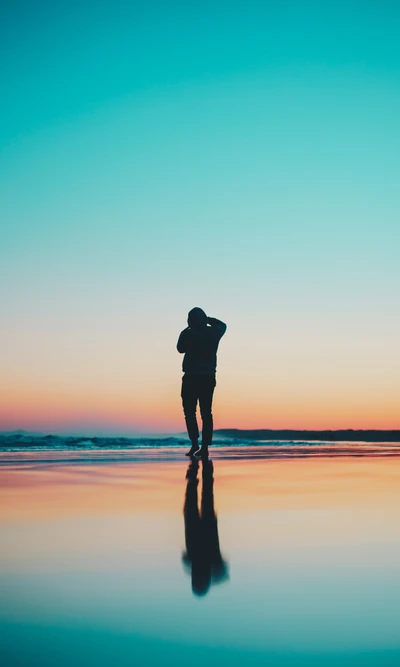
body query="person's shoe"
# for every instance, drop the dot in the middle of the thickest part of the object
(202, 453)
(192, 450)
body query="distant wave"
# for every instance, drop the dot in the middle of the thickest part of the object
(232, 447)
(58, 442)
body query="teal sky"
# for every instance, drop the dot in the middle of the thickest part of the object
(239, 156)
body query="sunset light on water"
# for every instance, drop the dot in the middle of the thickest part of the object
(92, 552)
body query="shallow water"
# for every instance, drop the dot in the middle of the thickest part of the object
(302, 566)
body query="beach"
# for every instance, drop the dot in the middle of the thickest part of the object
(96, 565)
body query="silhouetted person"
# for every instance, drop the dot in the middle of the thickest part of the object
(199, 342)
(203, 556)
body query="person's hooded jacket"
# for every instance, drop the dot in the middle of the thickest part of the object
(199, 343)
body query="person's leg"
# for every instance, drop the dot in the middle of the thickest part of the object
(205, 399)
(189, 396)
(191, 513)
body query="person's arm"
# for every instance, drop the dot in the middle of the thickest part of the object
(217, 325)
(181, 344)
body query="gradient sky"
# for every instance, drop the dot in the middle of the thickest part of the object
(239, 156)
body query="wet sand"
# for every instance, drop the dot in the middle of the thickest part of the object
(302, 565)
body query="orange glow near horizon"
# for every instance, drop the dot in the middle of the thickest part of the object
(68, 380)
(63, 412)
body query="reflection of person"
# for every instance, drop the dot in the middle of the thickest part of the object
(199, 342)
(203, 556)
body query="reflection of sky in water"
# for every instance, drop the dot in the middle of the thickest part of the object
(313, 552)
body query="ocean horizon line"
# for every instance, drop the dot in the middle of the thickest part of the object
(342, 434)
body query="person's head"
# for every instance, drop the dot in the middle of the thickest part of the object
(197, 318)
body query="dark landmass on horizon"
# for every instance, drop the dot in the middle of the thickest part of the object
(341, 435)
